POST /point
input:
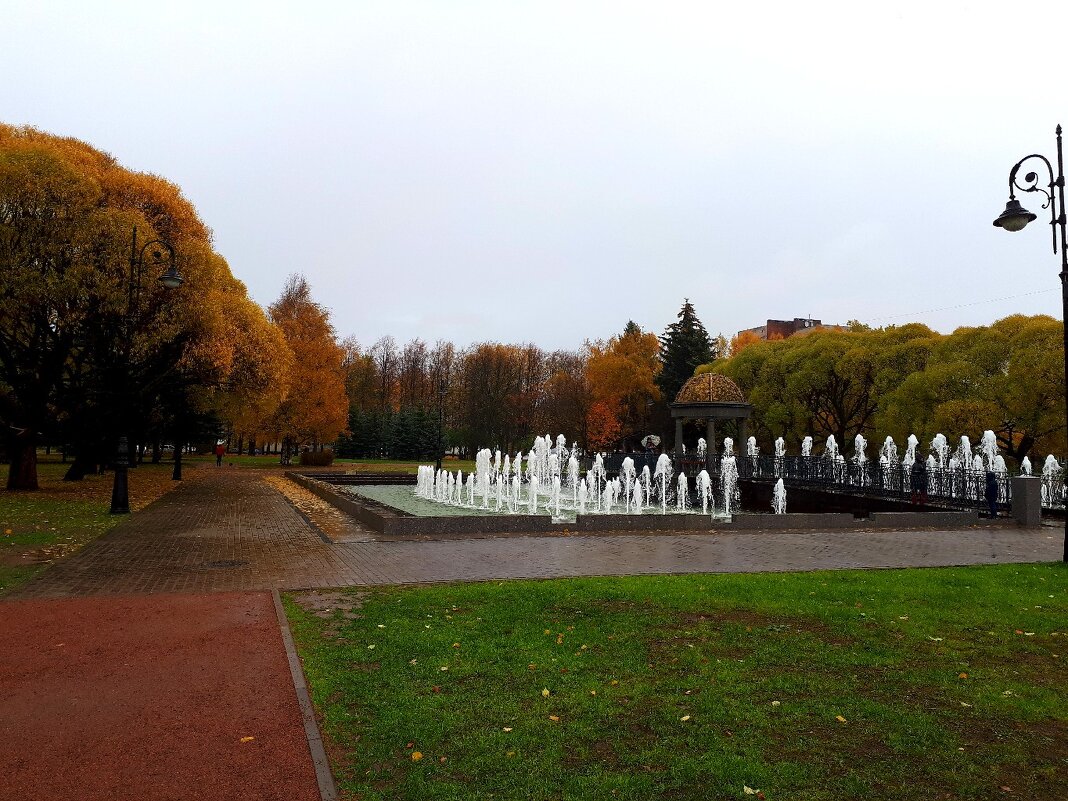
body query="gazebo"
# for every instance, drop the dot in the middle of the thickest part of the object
(710, 397)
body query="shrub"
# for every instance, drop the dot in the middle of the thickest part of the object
(317, 458)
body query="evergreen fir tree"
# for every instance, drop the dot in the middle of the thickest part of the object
(684, 345)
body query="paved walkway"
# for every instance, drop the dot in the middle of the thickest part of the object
(152, 693)
(163, 697)
(230, 530)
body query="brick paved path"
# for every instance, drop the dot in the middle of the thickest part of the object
(230, 530)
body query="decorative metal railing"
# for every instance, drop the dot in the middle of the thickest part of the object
(963, 488)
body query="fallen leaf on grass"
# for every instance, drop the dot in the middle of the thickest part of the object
(749, 790)
(776, 703)
(507, 728)
(840, 719)
(416, 756)
(684, 718)
(554, 718)
(247, 739)
(370, 647)
(963, 703)
(962, 676)
(510, 754)
(544, 693)
(442, 760)
(456, 645)
(935, 639)
(446, 667)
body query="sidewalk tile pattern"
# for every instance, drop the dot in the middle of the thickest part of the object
(232, 531)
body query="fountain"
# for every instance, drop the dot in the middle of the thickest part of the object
(988, 447)
(806, 446)
(682, 494)
(663, 472)
(704, 490)
(1051, 471)
(728, 477)
(888, 452)
(940, 449)
(778, 498)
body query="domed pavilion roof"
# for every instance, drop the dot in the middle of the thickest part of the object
(710, 388)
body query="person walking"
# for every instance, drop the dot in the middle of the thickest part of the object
(991, 493)
(220, 451)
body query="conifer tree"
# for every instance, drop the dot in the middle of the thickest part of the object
(684, 345)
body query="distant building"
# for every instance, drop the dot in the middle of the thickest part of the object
(781, 329)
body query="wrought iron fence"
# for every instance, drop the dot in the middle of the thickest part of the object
(965, 488)
(957, 488)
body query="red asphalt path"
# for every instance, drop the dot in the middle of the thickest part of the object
(149, 698)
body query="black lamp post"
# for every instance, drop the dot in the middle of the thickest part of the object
(1015, 217)
(442, 386)
(120, 495)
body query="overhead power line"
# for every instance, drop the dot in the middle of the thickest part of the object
(963, 305)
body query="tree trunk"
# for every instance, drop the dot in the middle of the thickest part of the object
(22, 472)
(241, 445)
(157, 451)
(82, 465)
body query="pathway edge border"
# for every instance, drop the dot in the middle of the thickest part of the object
(323, 775)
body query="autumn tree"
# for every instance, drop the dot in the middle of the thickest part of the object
(622, 374)
(1007, 377)
(82, 358)
(315, 407)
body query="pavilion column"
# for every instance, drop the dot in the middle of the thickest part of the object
(743, 433)
(710, 437)
(678, 437)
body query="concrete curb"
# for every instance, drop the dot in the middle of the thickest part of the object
(327, 788)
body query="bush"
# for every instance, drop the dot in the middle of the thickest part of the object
(317, 458)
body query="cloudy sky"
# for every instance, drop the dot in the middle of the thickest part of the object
(544, 172)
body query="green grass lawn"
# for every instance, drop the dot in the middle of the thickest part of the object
(37, 528)
(892, 684)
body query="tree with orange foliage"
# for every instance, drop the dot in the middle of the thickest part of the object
(742, 340)
(315, 409)
(79, 362)
(621, 374)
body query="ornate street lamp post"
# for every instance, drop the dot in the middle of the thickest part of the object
(1015, 217)
(171, 279)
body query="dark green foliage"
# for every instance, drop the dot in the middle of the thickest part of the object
(410, 433)
(684, 346)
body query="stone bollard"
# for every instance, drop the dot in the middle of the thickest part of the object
(1027, 500)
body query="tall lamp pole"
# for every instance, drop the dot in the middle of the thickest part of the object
(1015, 217)
(171, 279)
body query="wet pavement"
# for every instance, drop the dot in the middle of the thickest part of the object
(232, 529)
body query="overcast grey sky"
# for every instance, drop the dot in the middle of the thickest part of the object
(546, 171)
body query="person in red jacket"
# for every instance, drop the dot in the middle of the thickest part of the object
(220, 451)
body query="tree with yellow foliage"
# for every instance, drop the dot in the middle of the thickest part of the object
(315, 408)
(81, 359)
